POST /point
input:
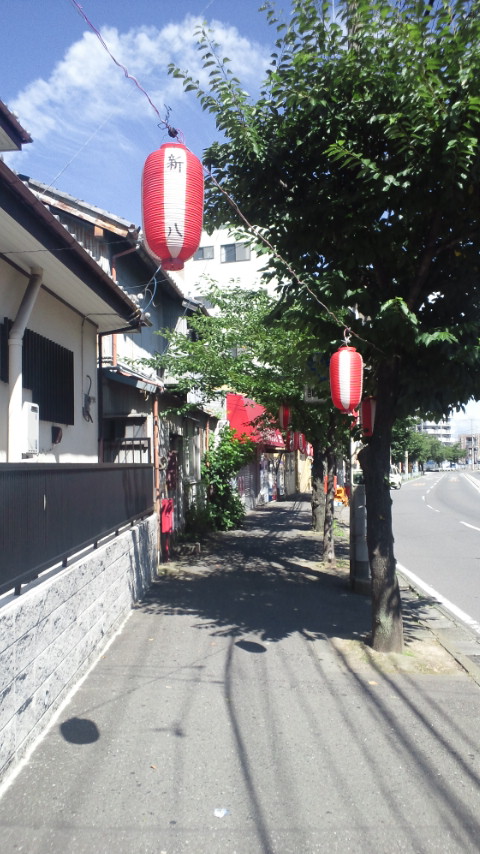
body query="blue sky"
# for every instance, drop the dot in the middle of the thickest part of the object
(92, 128)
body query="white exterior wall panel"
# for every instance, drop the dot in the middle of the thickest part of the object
(55, 321)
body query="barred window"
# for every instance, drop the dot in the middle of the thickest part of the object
(47, 372)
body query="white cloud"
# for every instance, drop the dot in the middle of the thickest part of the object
(92, 127)
(86, 85)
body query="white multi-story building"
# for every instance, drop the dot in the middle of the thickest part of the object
(441, 430)
(224, 259)
(470, 442)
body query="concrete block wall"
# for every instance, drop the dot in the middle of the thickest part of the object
(50, 633)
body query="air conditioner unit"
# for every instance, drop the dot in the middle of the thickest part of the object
(31, 422)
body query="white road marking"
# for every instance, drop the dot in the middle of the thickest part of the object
(457, 612)
(470, 526)
(433, 508)
(472, 480)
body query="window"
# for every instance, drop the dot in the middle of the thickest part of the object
(205, 253)
(47, 371)
(230, 252)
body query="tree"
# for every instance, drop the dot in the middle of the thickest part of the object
(359, 164)
(401, 443)
(455, 453)
(419, 449)
(243, 345)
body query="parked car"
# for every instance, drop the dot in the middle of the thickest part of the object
(395, 478)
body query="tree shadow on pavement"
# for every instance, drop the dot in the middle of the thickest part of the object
(264, 580)
(267, 578)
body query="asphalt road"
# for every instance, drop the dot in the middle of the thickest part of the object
(436, 523)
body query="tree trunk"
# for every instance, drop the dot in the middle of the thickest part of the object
(387, 628)
(318, 493)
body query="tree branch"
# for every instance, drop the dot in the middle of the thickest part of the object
(425, 261)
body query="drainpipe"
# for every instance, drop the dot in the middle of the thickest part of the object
(15, 375)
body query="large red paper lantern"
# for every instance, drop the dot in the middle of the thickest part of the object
(346, 379)
(172, 203)
(367, 410)
(284, 417)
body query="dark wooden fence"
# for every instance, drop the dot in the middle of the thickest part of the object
(50, 511)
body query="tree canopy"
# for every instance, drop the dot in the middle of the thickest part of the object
(360, 164)
(359, 168)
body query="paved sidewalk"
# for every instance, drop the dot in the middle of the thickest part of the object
(239, 712)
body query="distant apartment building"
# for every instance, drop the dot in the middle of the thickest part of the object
(441, 430)
(470, 443)
(226, 260)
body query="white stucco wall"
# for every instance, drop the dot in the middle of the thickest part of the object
(244, 274)
(55, 321)
(51, 633)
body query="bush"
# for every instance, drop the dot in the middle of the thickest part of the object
(223, 509)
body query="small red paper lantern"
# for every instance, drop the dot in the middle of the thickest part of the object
(284, 417)
(346, 379)
(367, 410)
(299, 442)
(172, 203)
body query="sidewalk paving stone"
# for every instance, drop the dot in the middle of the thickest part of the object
(240, 711)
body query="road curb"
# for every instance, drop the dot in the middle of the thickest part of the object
(458, 639)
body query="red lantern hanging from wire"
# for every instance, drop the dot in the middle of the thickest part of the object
(367, 416)
(289, 442)
(284, 417)
(172, 203)
(346, 378)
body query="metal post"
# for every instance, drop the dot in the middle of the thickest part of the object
(360, 579)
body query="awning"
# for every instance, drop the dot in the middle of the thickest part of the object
(132, 379)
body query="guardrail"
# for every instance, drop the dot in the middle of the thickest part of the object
(127, 451)
(50, 511)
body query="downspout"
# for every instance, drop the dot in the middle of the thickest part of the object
(15, 374)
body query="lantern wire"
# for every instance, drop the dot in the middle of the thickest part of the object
(259, 235)
(152, 291)
(172, 132)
